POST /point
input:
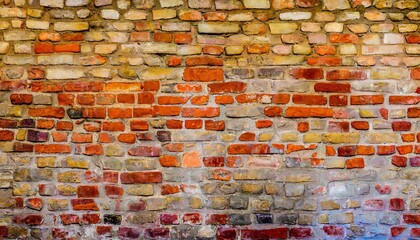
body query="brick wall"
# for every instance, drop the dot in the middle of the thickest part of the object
(209, 119)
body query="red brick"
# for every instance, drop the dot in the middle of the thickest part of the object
(40, 48)
(367, 100)
(139, 125)
(401, 126)
(248, 149)
(333, 230)
(67, 219)
(374, 205)
(199, 100)
(308, 99)
(167, 189)
(83, 86)
(167, 110)
(275, 233)
(263, 123)
(113, 126)
(169, 161)
(273, 111)
(213, 50)
(396, 204)
(162, 37)
(172, 100)
(143, 112)
(31, 220)
(224, 100)
(45, 124)
(64, 126)
(94, 149)
(87, 191)
(415, 73)
(157, 233)
(217, 219)
(108, 99)
(301, 112)
(122, 87)
(192, 218)
(300, 232)
(323, 61)
(84, 204)
(140, 37)
(81, 137)
(346, 151)
(152, 85)
(343, 38)
(280, 98)
(49, 36)
(258, 48)
(35, 73)
(365, 150)
(140, 177)
(203, 74)
(247, 136)
(204, 61)
(386, 150)
(190, 15)
(228, 87)
(52, 148)
(215, 125)
(345, 74)
(395, 231)
(169, 219)
(360, 125)
(332, 87)
(182, 38)
(411, 218)
(73, 47)
(86, 99)
(146, 98)
(205, 112)
(174, 61)
(94, 113)
(145, 151)
(355, 163)
(48, 112)
(412, 38)
(120, 113)
(73, 37)
(413, 112)
(415, 232)
(16, 98)
(405, 100)
(113, 191)
(307, 73)
(325, 50)
(129, 138)
(12, 85)
(6, 135)
(193, 124)
(90, 219)
(186, 88)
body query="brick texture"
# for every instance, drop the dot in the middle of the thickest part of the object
(209, 119)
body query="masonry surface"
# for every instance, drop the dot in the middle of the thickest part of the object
(209, 119)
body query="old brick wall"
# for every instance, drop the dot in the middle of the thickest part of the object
(209, 119)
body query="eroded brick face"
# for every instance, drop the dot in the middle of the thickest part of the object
(209, 119)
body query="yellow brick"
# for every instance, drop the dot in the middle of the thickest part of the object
(289, 137)
(77, 163)
(312, 138)
(42, 162)
(341, 138)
